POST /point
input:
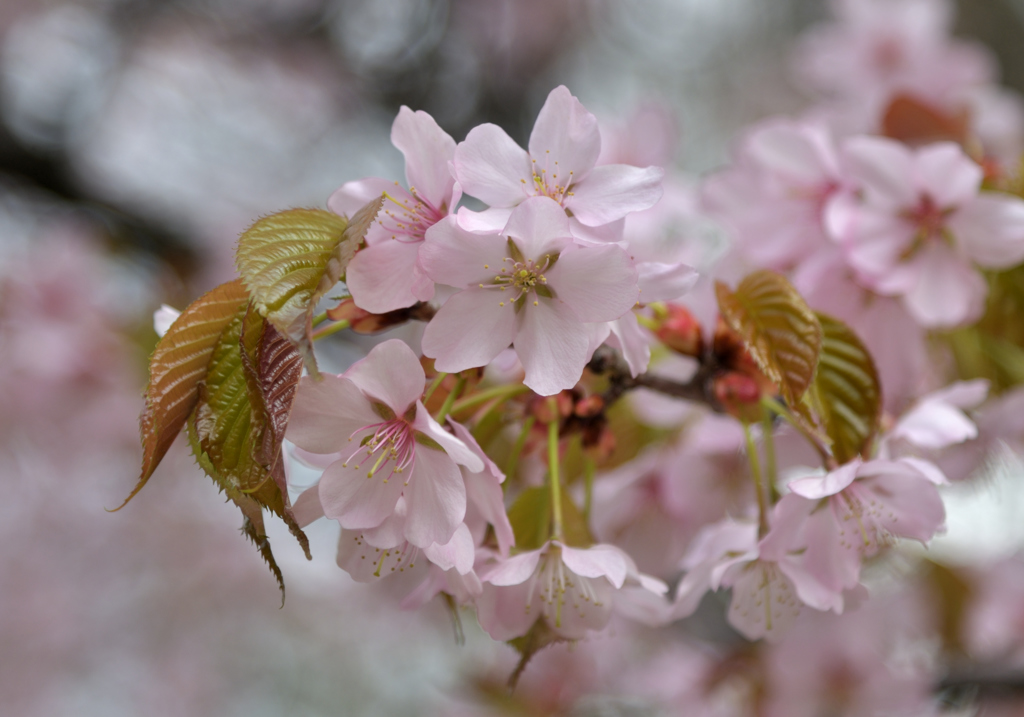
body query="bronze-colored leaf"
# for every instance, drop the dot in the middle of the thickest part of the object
(289, 260)
(847, 394)
(178, 365)
(779, 330)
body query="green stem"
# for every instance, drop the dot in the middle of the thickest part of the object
(332, 329)
(589, 468)
(755, 471)
(556, 487)
(446, 407)
(433, 386)
(506, 391)
(771, 469)
(319, 319)
(513, 460)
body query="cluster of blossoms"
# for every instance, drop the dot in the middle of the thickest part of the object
(582, 431)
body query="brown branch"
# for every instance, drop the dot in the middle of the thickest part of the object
(606, 361)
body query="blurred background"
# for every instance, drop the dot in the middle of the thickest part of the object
(138, 138)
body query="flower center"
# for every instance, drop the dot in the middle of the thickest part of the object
(408, 216)
(523, 276)
(392, 447)
(546, 182)
(559, 588)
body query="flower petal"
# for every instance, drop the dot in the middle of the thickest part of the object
(597, 561)
(469, 330)
(552, 346)
(436, 498)
(384, 277)
(816, 487)
(612, 191)
(539, 226)
(885, 170)
(664, 282)
(947, 175)
(948, 292)
(355, 501)
(565, 139)
(455, 448)
(515, 570)
(326, 413)
(598, 283)
(352, 196)
(391, 373)
(991, 230)
(493, 168)
(456, 257)
(307, 507)
(428, 149)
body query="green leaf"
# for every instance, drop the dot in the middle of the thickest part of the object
(237, 425)
(779, 330)
(178, 365)
(847, 395)
(291, 259)
(531, 518)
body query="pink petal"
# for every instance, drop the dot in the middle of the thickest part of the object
(829, 484)
(935, 424)
(962, 394)
(907, 504)
(384, 277)
(948, 292)
(597, 561)
(515, 570)
(502, 611)
(391, 373)
(552, 346)
(927, 469)
(457, 553)
(456, 449)
(307, 508)
(436, 497)
(809, 588)
(800, 154)
(469, 330)
(664, 282)
(947, 175)
(565, 139)
(326, 413)
(352, 196)
(493, 168)
(597, 283)
(453, 256)
(612, 191)
(488, 221)
(486, 496)
(355, 501)
(990, 230)
(428, 149)
(539, 227)
(391, 532)
(884, 169)
(633, 343)
(764, 602)
(463, 434)
(874, 241)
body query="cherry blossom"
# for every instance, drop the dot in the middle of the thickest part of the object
(920, 225)
(389, 447)
(571, 588)
(564, 148)
(529, 286)
(384, 276)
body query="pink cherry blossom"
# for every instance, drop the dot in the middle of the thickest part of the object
(384, 276)
(919, 226)
(571, 588)
(389, 445)
(560, 164)
(529, 286)
(774, 195)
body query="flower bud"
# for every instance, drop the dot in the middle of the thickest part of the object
(679, 330)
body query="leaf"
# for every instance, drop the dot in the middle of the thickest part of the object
(531, 518)
(178, 365)
(289, 260)
(779, 330)
(239, 420)
(847, 394)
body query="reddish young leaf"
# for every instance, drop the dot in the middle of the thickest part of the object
(176, 369)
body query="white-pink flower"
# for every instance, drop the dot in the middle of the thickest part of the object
(919, 225)
(560, 164)
(384, 276)
(571, 588)
(389, 447)
(530, 286)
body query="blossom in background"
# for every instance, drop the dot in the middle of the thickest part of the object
(919, 224)
(388, 444)
(384, 276)
(530, 286)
